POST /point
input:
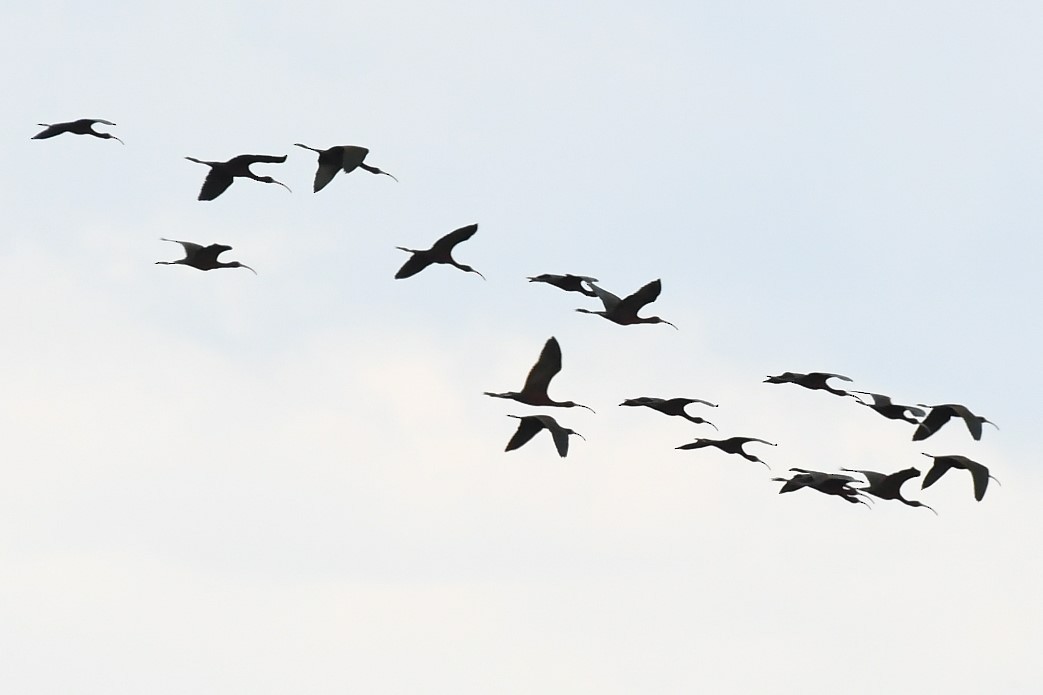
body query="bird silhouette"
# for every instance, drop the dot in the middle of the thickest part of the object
(731, 445)
(440, 252)
(892, 411)
(672, 406)
(978, 472)
(569, 283)
(811, 380)
(204, 257)
(344, 158)
(534, 392)
(889, 486)
(529, 425)
(223, 173)
(835, 484)
(624, 311)
(80, 127)
(940, 414)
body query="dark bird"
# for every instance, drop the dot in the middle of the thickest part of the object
(732, 445)
(892, 411)
(80, 127)
(440, 252)
(569, 283)
(344, 158)
(531, 424)
(204, 257)
(979, 472)
(889, 486)
(811, 380)
(624, 311)
(827, 483)
(672, 406)
(223, 173)
(534, 392)
(940, 414)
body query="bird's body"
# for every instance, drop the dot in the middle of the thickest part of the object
(731, 445)
(889, 486)
(624, 311)
(835, 484)
(811, 380)
(534, 392)
(81, 127)
(569, 283)
(892, 411)
(529, 425)
(671, 406)
(339, 158)
(203, 257)
(440, 252)
(941, 414)
(223, 173)
(978, 472)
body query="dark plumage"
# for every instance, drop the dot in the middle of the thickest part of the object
(834, 484)
(624, 311)
(811, 380)
(569, 283)
(671, 406)
(889, 486)
(223, 173)
(204, 257)
(941, 414)
(978, 472)
(344, 158)
(534, 392)
(732, 445)
(529, 425)
(80, 127)
(440, 252)
(892, 411)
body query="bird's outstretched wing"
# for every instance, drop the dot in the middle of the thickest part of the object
(215, 184)
(937, 470)
(210, 253)
(189, 246)
(699, 444)
(445, 244)
(610, 300)
(933, 422)
(548, 364)
(527, 429)
(246, 160)
(351, 156)
(329, 165)
(746, 440)
(416, 263)
(646, 295)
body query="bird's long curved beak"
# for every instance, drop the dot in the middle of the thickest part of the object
(478, 274)
(243, 265)
(580, 405)
(118, 140)
(282, 184)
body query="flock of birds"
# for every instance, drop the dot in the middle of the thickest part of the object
(927, 419)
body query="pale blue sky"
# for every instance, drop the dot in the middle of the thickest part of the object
(222, 483)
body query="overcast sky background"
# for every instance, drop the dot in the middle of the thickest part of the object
(291, 483)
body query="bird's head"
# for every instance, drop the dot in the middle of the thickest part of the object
(237, 264)
(269, 179)
(110, 136)
(656, 319)
(571, 404)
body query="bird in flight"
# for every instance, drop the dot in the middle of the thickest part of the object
(344, 158)
(534, 392)
(940, 414)
(732, 445)
(672, 406)
(978, 472)
(889, 486)
(204, 257)
(529, 425)
(223, 173)
(892, 411)
(569, 283)
(624, 311)
(80, 127)
(827, 483)
(440, 252)
(811, 380)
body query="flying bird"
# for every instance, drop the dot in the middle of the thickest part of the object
(344, 158)
(940, 414)
(569, 283)
(534, 392)
(204, 257)
(889, 486)
(80, 127)
(892, 411)
(978, 472)
(440, 252)
(732, 445)
(671, 406)
(529, 425)
(223, 173)
(835, 484)
(624, 311)
(811, 380)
